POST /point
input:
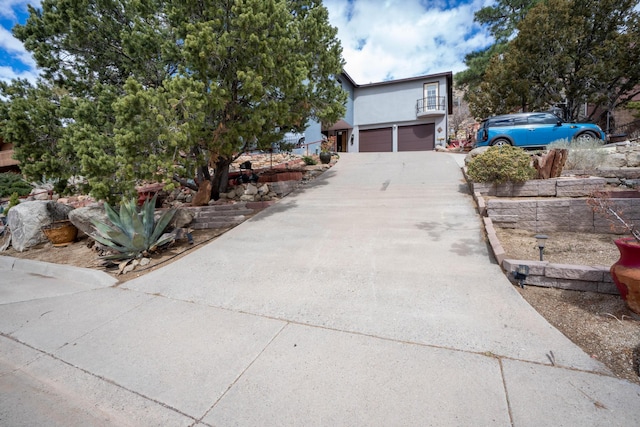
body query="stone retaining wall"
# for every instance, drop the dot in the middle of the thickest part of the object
(563, 276)
(543, 273)
(553, 187)
(545, 215)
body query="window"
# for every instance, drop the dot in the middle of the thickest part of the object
(431, 96)
(543, 119)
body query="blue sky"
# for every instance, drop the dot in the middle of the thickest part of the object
(381, 39)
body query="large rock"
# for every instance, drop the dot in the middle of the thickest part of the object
(203, 195)
(473, 153)
(182, 218)
(615, 160)
(81, 217)
(27, 219)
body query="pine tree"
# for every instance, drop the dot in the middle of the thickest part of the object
(160, 90)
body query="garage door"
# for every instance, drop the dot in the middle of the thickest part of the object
(375, 140)
(417, 137)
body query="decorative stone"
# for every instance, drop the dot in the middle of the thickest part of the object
(27, 219)
(182, 218)
(615, 160)
(81, 217)
(203, 195)
(251, 190)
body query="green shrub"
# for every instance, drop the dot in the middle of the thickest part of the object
(501, 164)
(308, 160)
(14, 200)
(584, 153)
(13, 183)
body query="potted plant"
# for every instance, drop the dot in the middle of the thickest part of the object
(325, 149)
(626, 271)
(60, 231)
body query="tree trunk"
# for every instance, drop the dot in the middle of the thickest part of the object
(550, 165)
(220, 179)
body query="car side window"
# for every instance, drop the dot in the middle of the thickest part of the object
(543, 119)
(520, 121)
(501, 123)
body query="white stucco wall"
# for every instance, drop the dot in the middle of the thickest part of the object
(392, 105)
(388, 104)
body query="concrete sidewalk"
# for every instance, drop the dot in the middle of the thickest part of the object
(368, 298)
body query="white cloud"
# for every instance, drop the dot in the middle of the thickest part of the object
(22, 65)
(405, 38)
(7, 74)
(8, 7)
(15, 50)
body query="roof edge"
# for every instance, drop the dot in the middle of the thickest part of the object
(447, 74)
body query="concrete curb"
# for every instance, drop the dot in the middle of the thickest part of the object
(58, 271)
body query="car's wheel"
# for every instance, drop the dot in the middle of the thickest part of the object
(587, 135)
(500, 142)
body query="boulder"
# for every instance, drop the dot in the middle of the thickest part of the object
(81, 217)
(473, 153)
(251, 190)
(615, 160)
(182, 218)
(27, 219)
(203, 195)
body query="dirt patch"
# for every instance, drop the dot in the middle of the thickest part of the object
(600, 324)
(82, 254)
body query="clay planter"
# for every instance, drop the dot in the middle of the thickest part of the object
(626, 272)
(325, 158)
(60, 233)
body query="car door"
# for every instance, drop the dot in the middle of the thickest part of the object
(544, 128)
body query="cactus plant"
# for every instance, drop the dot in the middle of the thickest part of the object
(132, 234)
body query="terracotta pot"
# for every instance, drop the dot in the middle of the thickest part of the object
(60, 233)
(325, 157)
(626, 272)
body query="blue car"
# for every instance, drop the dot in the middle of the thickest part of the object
(532, 130)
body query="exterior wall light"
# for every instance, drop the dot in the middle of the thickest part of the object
(521, 273)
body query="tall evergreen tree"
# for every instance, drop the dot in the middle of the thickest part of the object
(501, 19)
(158, 89)
(569, 52)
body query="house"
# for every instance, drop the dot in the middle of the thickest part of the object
(7, 162)
(398, 115)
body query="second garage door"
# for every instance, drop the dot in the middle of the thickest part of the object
(376, 140)
(416, 137)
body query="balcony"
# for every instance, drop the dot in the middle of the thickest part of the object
(431, 106)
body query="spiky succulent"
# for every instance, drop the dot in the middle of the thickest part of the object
(132, 233)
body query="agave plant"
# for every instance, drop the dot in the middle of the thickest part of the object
(132, 233)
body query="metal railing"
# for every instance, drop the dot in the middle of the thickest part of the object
(431, 104)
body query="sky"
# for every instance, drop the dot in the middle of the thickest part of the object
(381, 39)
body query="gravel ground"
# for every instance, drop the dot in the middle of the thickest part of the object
(600, 324)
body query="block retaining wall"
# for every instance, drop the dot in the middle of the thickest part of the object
(545, 274)
(569, 214)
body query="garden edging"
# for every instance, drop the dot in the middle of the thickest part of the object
(542, 273)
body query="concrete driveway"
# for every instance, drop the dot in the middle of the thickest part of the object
(367, 298)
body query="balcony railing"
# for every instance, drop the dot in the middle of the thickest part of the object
(430, 106)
